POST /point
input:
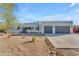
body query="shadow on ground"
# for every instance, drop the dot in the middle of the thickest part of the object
(27, 34)
(56, 35)
(28, 42)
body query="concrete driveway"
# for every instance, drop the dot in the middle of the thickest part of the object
(65, 40)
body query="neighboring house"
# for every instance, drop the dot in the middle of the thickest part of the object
(47, 27)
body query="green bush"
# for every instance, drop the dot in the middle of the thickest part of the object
(33, 39)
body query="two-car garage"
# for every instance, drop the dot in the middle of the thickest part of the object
(58, 29)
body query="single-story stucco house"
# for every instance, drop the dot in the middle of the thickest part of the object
(46, 27)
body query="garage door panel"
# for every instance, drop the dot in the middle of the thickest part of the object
(62, 29)
(48, 29)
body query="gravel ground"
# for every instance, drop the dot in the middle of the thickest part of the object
(23, 46)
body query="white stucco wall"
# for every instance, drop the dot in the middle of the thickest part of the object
(71, 29)
(53, 27)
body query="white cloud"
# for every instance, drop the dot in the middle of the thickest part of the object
(76, 11)
(72, 15)
(58, 17)
(75, 16)
(73, 4)
(68, 18)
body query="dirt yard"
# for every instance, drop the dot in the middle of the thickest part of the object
(23, 46)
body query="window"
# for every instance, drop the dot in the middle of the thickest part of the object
(30, 28)
(37, 28)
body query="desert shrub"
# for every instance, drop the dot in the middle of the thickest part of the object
(33, 39)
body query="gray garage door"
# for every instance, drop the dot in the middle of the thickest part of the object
(48, 29)
(62, 29)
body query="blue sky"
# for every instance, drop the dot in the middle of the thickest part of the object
(30, 12)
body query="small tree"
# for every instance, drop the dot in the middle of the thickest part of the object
(9, 18)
